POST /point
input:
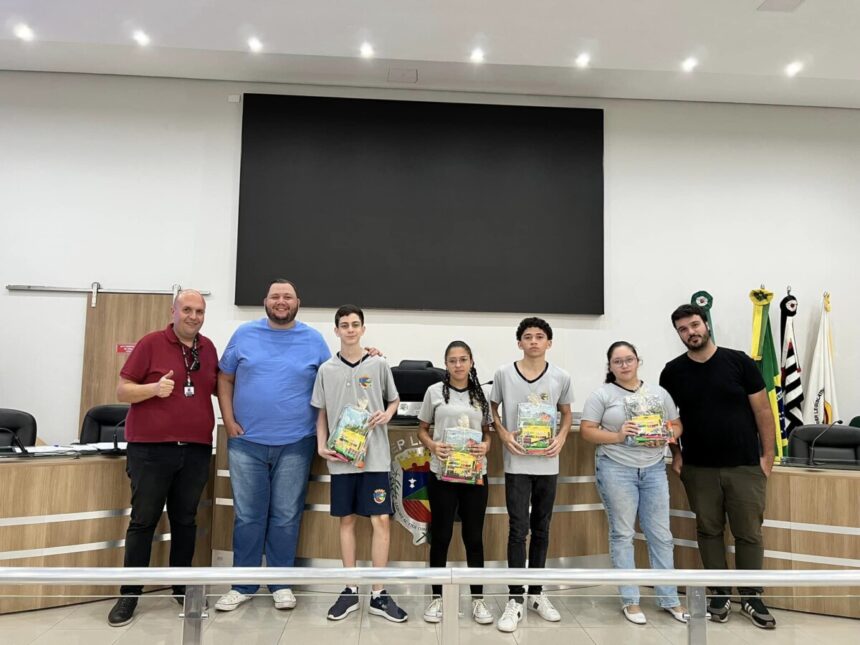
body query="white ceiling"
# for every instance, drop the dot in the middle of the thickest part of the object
(636, 46)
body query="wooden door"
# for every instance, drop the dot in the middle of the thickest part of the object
(114, 325)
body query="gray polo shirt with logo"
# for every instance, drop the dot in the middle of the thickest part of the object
(339, 384)
(511, 388)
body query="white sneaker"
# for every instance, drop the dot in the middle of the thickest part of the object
(230, 600)
(542, 605)
(480, 613)
(284, 599)
(511, 617)
(433, 613)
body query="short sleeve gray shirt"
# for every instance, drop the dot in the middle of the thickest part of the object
(511, 388)
(443, 415)
(606, 406)
(339, 384)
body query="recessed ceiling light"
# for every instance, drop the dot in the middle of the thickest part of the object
(583, 60)
(366, 50)
(793, 69)
(689, 64)
(140, 38)
(254, 44)
(477, 55)
(24, 32)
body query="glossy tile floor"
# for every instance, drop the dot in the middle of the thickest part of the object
(589, 616)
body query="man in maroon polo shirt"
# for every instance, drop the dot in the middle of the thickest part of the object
(169, 379)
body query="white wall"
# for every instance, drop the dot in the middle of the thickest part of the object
(133, 182)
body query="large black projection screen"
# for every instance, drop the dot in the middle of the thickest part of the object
(422, 206)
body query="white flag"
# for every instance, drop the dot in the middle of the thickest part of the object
(820, 399)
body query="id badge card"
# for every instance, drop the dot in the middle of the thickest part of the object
(188, 389)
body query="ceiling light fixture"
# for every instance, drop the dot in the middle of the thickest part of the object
(140, 38)
(793, 69)
(583, 60)
(24, 32)
(366, 50)
(254, 44)
(689, 64)
(477, 55)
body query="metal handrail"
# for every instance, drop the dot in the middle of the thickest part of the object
(196, 578)
(222, 575)
(427, 575)
(650, 577)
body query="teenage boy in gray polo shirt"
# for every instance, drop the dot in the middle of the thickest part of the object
(530, 479)
(356, 379)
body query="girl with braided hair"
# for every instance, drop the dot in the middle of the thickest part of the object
(457, 401)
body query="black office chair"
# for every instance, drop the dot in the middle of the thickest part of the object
(825, 445)
(855, 422)
(22, 424)
(102, 421)
(412, 378)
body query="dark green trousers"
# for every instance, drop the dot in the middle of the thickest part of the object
(739, 493)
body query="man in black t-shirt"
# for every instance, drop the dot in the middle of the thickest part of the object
(726, 453)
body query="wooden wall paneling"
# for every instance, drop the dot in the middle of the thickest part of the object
(117, 318)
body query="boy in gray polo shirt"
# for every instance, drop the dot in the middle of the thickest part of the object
(354, 379)
(530, 478)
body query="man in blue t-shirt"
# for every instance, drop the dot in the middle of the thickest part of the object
(264, 390)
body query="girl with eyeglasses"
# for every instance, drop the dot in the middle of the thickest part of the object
(457, 401)
(630, 473)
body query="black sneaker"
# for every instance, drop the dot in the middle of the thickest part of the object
(719, 608)
(123, 611)
(754, 609)
(346, 603)
(384, 605)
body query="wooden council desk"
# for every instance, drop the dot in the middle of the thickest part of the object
(65, 512)
(579, 530)
(812, 521)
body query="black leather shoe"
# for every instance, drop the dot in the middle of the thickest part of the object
(122, 612)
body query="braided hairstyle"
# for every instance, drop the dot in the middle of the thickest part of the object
(476, 393)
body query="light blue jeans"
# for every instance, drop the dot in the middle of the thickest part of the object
(626, 491)
(269, 488)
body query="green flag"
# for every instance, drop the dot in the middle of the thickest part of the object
(764, 354)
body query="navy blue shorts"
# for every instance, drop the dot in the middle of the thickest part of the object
(362, 494)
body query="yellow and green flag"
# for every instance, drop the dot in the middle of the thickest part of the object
(764, 354)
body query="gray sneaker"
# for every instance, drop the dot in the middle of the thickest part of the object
(720, 607)
(754, 609)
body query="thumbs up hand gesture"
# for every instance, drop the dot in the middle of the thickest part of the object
(164, 386)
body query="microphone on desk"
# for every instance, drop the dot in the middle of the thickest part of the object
(817, 437)
(16, 441)
(116, 448)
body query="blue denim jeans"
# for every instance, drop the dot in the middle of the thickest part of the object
(269, 488)
(626, 492)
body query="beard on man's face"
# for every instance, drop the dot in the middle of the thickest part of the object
(697, 341)
(282, 317)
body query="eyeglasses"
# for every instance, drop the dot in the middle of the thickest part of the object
(624, 362)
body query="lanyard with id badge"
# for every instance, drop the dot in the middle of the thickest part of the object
(193, 366)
